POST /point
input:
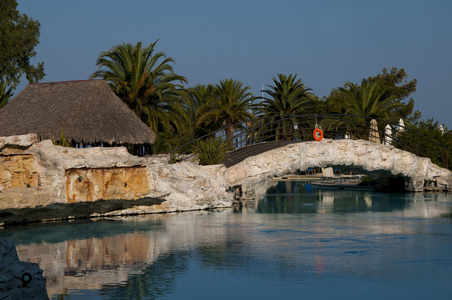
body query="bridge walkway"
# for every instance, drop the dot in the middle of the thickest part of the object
(235, 156)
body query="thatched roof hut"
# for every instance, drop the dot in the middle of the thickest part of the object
(88, 111)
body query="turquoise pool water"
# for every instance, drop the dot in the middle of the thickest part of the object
(295, 242)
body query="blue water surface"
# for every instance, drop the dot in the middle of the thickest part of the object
(294, 242)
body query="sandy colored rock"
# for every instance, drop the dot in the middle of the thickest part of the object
(18, 171)
(88, 184)
(40, 174)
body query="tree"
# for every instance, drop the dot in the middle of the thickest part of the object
(288, 96)
(5, 94)
(427, 139)
(19, 35)
(369, 100)
(229, 105)
(193, 104)
(397, 84)
(144, 80)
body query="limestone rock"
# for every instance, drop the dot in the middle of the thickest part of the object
(18, 141)
(25, 198)
(34, 175)
(91, 184)
(18, 171)
(188, 186)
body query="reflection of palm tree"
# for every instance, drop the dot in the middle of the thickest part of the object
(142, 80)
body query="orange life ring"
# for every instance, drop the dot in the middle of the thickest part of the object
(318, 134)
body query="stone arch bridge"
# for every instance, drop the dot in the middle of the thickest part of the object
(273, 146)
(420, 173)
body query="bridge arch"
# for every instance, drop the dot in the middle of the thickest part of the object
(420, 173)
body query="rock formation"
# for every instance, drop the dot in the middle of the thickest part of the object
(39, 178)
(55, 182)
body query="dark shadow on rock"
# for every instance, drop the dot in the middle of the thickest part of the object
(78, 210)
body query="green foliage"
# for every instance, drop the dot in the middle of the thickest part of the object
(366, 100)
(380, 96)
(288, 96)
(424, 138)
(19, 35)
(165, 142)
(62, 141)
(212, 151)
(396, 83)
(370, 99)
(196, 98)
(145, 81)
(5, 94)
(228, 105)
(367, 180)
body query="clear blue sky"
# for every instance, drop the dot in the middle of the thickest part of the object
(325, 42)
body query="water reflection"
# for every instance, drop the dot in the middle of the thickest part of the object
(298, 197)
(294, 239)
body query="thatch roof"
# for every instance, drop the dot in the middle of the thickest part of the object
(88, 111)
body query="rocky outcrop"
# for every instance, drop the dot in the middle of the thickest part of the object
(39, 179)
(19, 280)
(42, 177)
(189, 186)
(82, 185)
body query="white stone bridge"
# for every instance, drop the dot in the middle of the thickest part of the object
(289, 146)
(420, 173)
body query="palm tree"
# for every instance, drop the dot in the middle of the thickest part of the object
(367, 100)
(229, 104)
(288, 96)
(196, 99)
(5, 94)
(370, 99)
(144, 80)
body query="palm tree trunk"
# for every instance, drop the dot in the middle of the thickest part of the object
(229, 133)
(289, 131)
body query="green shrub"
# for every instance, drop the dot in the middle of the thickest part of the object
(424, 138)
(212, 151)
(62, 141)
(165, 142)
